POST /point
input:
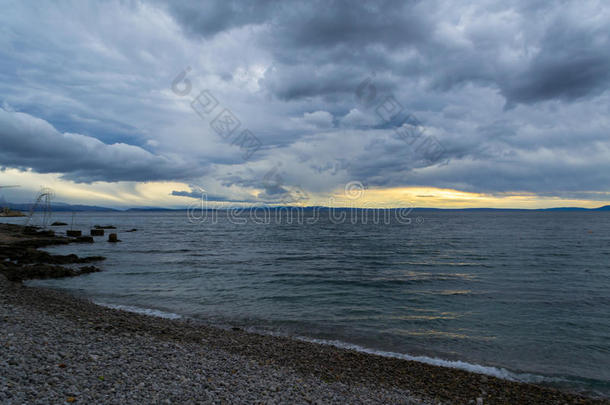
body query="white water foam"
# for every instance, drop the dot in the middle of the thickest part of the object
(144, 311)
(457, 364)
(462, 365)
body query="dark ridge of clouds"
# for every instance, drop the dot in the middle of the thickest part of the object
(347, 24)
(321, 49)
(333, 85)
(567, 80)
(27, 142)
(299, 82)
(573, 63)
(190, 194)
(307, 24)
(208, 18)
(200, 194)
(270, 182)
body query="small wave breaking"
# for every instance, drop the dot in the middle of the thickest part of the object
(144, 311)
(457, 364)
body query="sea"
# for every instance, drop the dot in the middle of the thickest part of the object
(521, 295)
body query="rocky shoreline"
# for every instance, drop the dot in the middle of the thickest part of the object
(21, 260)
(58, 348)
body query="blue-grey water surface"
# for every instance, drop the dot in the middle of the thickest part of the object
(527, 292)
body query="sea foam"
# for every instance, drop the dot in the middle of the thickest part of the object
(462, 365)
(144, 311)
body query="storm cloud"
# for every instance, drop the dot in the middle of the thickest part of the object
(27, 142)
(513, 96)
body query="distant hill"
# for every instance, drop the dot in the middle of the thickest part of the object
(60, 207)
(153, 209)
(63, 207)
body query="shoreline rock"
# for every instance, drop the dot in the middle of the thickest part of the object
(20, 258)
(104, 227)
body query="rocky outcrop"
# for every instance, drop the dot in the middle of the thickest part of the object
(20, 258)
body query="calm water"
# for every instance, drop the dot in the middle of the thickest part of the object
(526, 294)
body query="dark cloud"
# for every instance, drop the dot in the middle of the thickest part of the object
(570, 79)
(208, 18)
(324, 48)
(271, 194)
(27, 142)
(572, 63)
(274, 185)
(200, 194)
(347, 26)
(308, 24)
(190, 194)
(535, 174)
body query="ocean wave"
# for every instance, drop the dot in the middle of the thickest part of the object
(138, 310)
(457, 364)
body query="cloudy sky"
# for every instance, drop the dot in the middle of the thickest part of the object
(427, 103)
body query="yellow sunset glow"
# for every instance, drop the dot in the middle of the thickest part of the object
(158, 194)
(431, 197)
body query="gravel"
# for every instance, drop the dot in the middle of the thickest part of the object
(51, 358)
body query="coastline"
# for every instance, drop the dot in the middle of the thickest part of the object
(57, 347)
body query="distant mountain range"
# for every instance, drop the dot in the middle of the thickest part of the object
(63, 207)
(59, 207)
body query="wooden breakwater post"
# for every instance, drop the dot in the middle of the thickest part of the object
(97, 232)
(113, 238)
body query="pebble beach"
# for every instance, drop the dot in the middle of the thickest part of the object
(57, 348)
